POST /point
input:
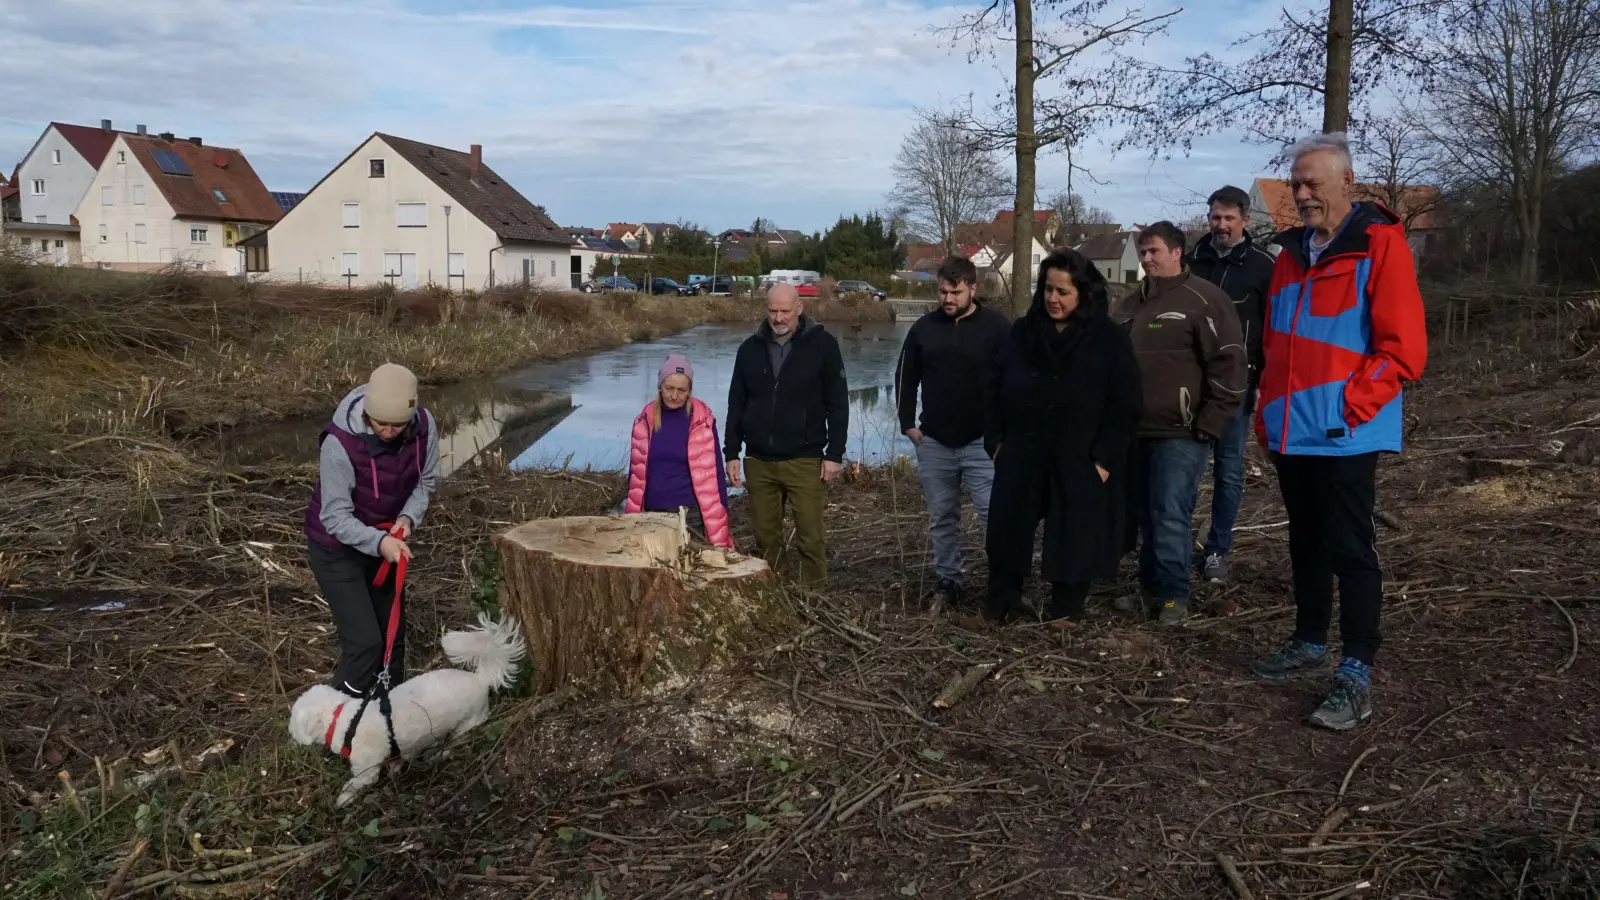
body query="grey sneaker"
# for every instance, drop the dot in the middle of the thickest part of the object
(1215, 569)
(1174, 614)
(1293, 659)
(1346, 706)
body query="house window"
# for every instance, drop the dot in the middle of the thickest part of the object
(217, 193)
(411, 215)
(55, 157)
(552, 268)
(60, 244)
(1036, 259)
(138, 232)
(107, 195)
(122, 157)
(41, 219)
(350, 264)
(197, 235)
(375, 168)
(352, 215)
(104, 237)
(38, 187)
(138, 195)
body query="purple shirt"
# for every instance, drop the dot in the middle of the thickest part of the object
(668, 484)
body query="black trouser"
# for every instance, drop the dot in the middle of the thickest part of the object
(361, 615)
(1331, 533)
(1005, 594)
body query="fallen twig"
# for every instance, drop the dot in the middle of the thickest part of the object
(1333, 821)
(1231, 872)
(960, 685)
(1350, 773)
(121, 874)
(1572, 657)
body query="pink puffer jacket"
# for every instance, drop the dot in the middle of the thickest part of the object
(702, 468)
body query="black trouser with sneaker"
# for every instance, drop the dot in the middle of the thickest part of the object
(1331, 534)
(360, 614)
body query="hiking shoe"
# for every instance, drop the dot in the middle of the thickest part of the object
(948, 591)
(1215, 569)
(1346, 706)
(1293, 659)
(1174, 614)
(1136, 603)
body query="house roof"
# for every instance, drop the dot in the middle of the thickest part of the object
(91, 143)
(1040, 216)
(287, 199)
(791, 235)
(487, 197)
(658, 227)
(1105, 246)
(1416, 202)
(603, 245)
(620, 228)
(212, 169)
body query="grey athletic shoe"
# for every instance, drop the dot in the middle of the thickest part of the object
(1293, 659)
(1346, 706)
(1215, 569)
(1174, 614)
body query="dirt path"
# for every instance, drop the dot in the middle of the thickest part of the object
(1116, 761)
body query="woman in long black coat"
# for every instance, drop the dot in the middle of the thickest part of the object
(1062, 415)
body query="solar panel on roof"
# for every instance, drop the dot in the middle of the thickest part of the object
(287, 199)
(169, 162)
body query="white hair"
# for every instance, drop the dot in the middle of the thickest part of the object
(1336, 141)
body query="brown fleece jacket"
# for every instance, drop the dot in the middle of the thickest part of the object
(1191, 355)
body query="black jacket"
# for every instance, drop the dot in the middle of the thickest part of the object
(802, 412)
(1245, 274)
(1064, 402)
(952, 362)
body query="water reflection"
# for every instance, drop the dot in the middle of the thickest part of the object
(609, 388)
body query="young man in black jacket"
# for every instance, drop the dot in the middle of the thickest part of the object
(788, 410)
(1230, 259)
(949, 354)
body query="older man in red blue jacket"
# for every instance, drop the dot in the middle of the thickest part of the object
(1344, 332)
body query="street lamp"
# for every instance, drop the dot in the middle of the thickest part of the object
(716, 245)
(448, 275)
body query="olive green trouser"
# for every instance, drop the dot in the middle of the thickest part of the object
(799, 482)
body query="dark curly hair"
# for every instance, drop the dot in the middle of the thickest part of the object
(1094, 300)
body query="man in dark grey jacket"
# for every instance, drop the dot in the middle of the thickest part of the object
(949, 354)
(1230, 259)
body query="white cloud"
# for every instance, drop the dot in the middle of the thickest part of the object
(714, 110)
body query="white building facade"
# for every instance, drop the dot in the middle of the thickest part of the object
(401, 212)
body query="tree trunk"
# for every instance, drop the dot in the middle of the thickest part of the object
(1027, 158)
(608, 600)
(1336, 81)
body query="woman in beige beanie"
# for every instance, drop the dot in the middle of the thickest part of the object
(379, 460)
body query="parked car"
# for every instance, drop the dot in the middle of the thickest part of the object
(849, 287)
(717, 286)
(807, 290)
(670, 288)
(610, 283)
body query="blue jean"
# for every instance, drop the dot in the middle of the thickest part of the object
(1227, 477)
(942, 470)
(1172, 470)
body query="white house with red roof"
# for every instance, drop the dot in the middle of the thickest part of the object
(159, 200)
(50, 183)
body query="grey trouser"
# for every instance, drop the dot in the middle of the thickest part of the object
(942, 470)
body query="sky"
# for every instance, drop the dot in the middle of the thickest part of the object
(710, 111)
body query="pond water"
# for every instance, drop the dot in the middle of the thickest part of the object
(579, 412)
(608, 389)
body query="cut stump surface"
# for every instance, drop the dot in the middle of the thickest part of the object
(609, 599)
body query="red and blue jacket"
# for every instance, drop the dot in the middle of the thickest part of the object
(1342, 336)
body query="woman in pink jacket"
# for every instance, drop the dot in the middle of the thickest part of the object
(675, 460)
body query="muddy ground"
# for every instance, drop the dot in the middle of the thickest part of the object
(165, 604)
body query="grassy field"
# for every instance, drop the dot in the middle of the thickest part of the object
(156, 604)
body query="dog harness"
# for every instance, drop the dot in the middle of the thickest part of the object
(380, 689)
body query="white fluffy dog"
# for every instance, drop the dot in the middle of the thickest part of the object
(428, 709)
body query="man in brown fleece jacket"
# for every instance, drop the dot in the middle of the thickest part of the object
(1194, 371)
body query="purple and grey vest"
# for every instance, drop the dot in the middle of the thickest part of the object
(384, 481)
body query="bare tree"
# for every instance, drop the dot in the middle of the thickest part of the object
(1518, 98)
(945, 178)
(1398, 164)
(1075, 213)
(1272, 83)
(1068, 83)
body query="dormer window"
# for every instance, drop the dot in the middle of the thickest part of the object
(375, 168)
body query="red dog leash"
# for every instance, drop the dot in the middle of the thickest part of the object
(391, 632)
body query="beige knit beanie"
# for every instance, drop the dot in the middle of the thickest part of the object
(391, 394)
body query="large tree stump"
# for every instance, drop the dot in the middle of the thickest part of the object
(617, 600)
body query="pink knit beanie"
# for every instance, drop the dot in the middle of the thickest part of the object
(676, 364)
